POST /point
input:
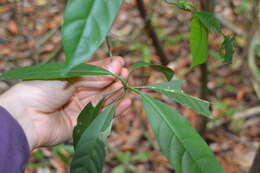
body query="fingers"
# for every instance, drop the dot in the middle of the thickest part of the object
(114, 65)
(124, 73)
(84, 92)
(123, 106)
(100, 93)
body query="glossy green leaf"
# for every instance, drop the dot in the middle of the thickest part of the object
(165, 70)
(90, 151)
(180, 143)
(86, 24)
(209, 20)
(228, 48)
(198, 42)
(53, 71)
(85, 118)
(174, 92)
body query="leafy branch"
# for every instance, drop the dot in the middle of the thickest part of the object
(86, 24)
(202, 24)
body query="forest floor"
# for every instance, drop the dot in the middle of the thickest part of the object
(30, 34)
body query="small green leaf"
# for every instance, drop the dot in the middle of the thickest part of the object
(209, 20)
(198, 42)
(173, 91)
(119, 169)
(124, 157)
(85, 118)
(141, 157)
(86, 24)
(90, 151)
(227, 46)
(180, 143)
(165, 70)
(53, 71)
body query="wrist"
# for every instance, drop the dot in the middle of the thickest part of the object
(19, 113)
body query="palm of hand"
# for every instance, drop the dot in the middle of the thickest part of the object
(47, 110)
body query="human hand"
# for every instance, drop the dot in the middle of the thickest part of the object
(48, 110)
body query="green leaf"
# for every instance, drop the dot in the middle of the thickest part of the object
(180, 143)
(86, 24)
(53, 71)
(141, 157)
(90, 151)
(198, 42)
(85, 118)
(119, 169)
(228, 48)
(181, 4)
(165, 70)
(209, 20)
(173, 91)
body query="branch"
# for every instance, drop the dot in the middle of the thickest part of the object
(151, 32)
(247, 113)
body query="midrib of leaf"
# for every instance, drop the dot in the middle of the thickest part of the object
(176, 134)
(179, 93)
(85, 21)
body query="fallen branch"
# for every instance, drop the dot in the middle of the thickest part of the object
(255, 111)
(235, 29)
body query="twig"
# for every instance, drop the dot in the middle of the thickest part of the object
(230, 25)
(151, 32)
(53, 54)
(255, 111)
(251, 56)
(109, 47)
(40, 42)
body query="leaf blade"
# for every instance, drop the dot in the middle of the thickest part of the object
(90, 151)
(53, 71)
(85, 118)
(165, 70)
(84, 31)
(228, 47)
(179, 142)
(209, 20)
(198, 42)
(173, 91)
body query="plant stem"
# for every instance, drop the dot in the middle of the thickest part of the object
(109, 47)
(201, 123)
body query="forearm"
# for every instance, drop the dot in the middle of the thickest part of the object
(14, 148)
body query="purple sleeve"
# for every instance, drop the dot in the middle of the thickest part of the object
(14, 148)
